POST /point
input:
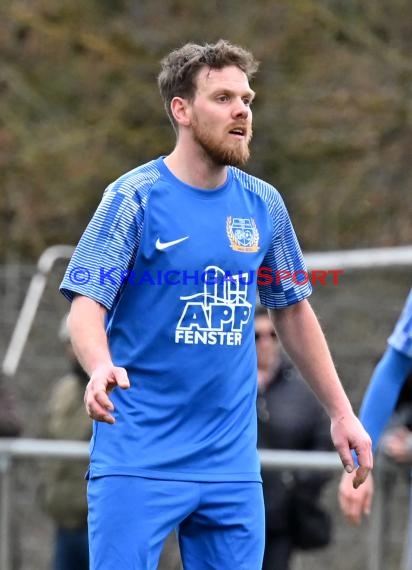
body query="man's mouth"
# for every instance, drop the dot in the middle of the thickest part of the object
(238, 131)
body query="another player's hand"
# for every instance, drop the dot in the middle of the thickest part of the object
(347, 434)
(397, 444)
(355, 502)
(102, 381)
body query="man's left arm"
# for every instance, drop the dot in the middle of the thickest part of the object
(302, 337)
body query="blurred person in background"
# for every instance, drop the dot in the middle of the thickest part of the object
(289, 417)
(396, 442)
(63, 489)
(388, 378)
(10, 420)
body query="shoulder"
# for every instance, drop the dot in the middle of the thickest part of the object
(135, 183)
(260, 187)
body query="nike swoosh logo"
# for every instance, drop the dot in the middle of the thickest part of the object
(160, 245)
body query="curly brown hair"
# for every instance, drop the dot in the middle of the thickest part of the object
(180, 68)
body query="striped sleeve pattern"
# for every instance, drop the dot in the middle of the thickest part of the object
(284, 258)
(108, 247)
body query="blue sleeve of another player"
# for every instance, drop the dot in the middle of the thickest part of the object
(287, 280)
(383, 391)
(401, 338)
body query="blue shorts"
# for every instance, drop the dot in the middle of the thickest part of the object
(220, 526)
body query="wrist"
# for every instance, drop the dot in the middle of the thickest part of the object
(341, 411)
(98, 366)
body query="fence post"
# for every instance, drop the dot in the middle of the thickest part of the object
(383, 475)
(5, 488)
(406, 562)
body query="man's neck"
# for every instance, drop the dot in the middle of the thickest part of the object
(196, 169)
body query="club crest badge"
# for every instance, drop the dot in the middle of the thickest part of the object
(243, 234)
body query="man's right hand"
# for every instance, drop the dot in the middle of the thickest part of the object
(101, 383)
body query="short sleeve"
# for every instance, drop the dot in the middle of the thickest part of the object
(283, 276)
(107, 248)
(401, 337)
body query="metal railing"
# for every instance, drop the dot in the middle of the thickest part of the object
(16, 448)
(31, 303)
(343, 259)
(13, 449)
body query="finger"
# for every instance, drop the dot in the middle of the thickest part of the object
(98, 405)
(350, 510)
(355, 516)
(98, 413)
(343, 503)
(360, 476)
(122, 378)
(346, 457)
(367, 506)
(355, 510)
(364, 454)
(103, 400)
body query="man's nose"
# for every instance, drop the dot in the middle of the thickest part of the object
(241, 109)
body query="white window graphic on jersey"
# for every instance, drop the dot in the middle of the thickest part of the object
(218, 314)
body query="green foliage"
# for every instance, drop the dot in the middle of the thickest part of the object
(332, 118)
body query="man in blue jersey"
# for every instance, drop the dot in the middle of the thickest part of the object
(378, 405)
(163, 288)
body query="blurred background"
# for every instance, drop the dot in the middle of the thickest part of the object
(80, 105)
(332, 131)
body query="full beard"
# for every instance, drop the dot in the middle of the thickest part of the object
(222, 154)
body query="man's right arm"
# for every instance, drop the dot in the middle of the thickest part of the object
(86, 323)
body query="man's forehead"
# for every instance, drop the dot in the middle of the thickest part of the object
(231, 76)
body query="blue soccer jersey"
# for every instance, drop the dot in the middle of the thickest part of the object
(401, 338)
(177, 268)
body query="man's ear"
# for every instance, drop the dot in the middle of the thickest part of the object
(181, 111)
